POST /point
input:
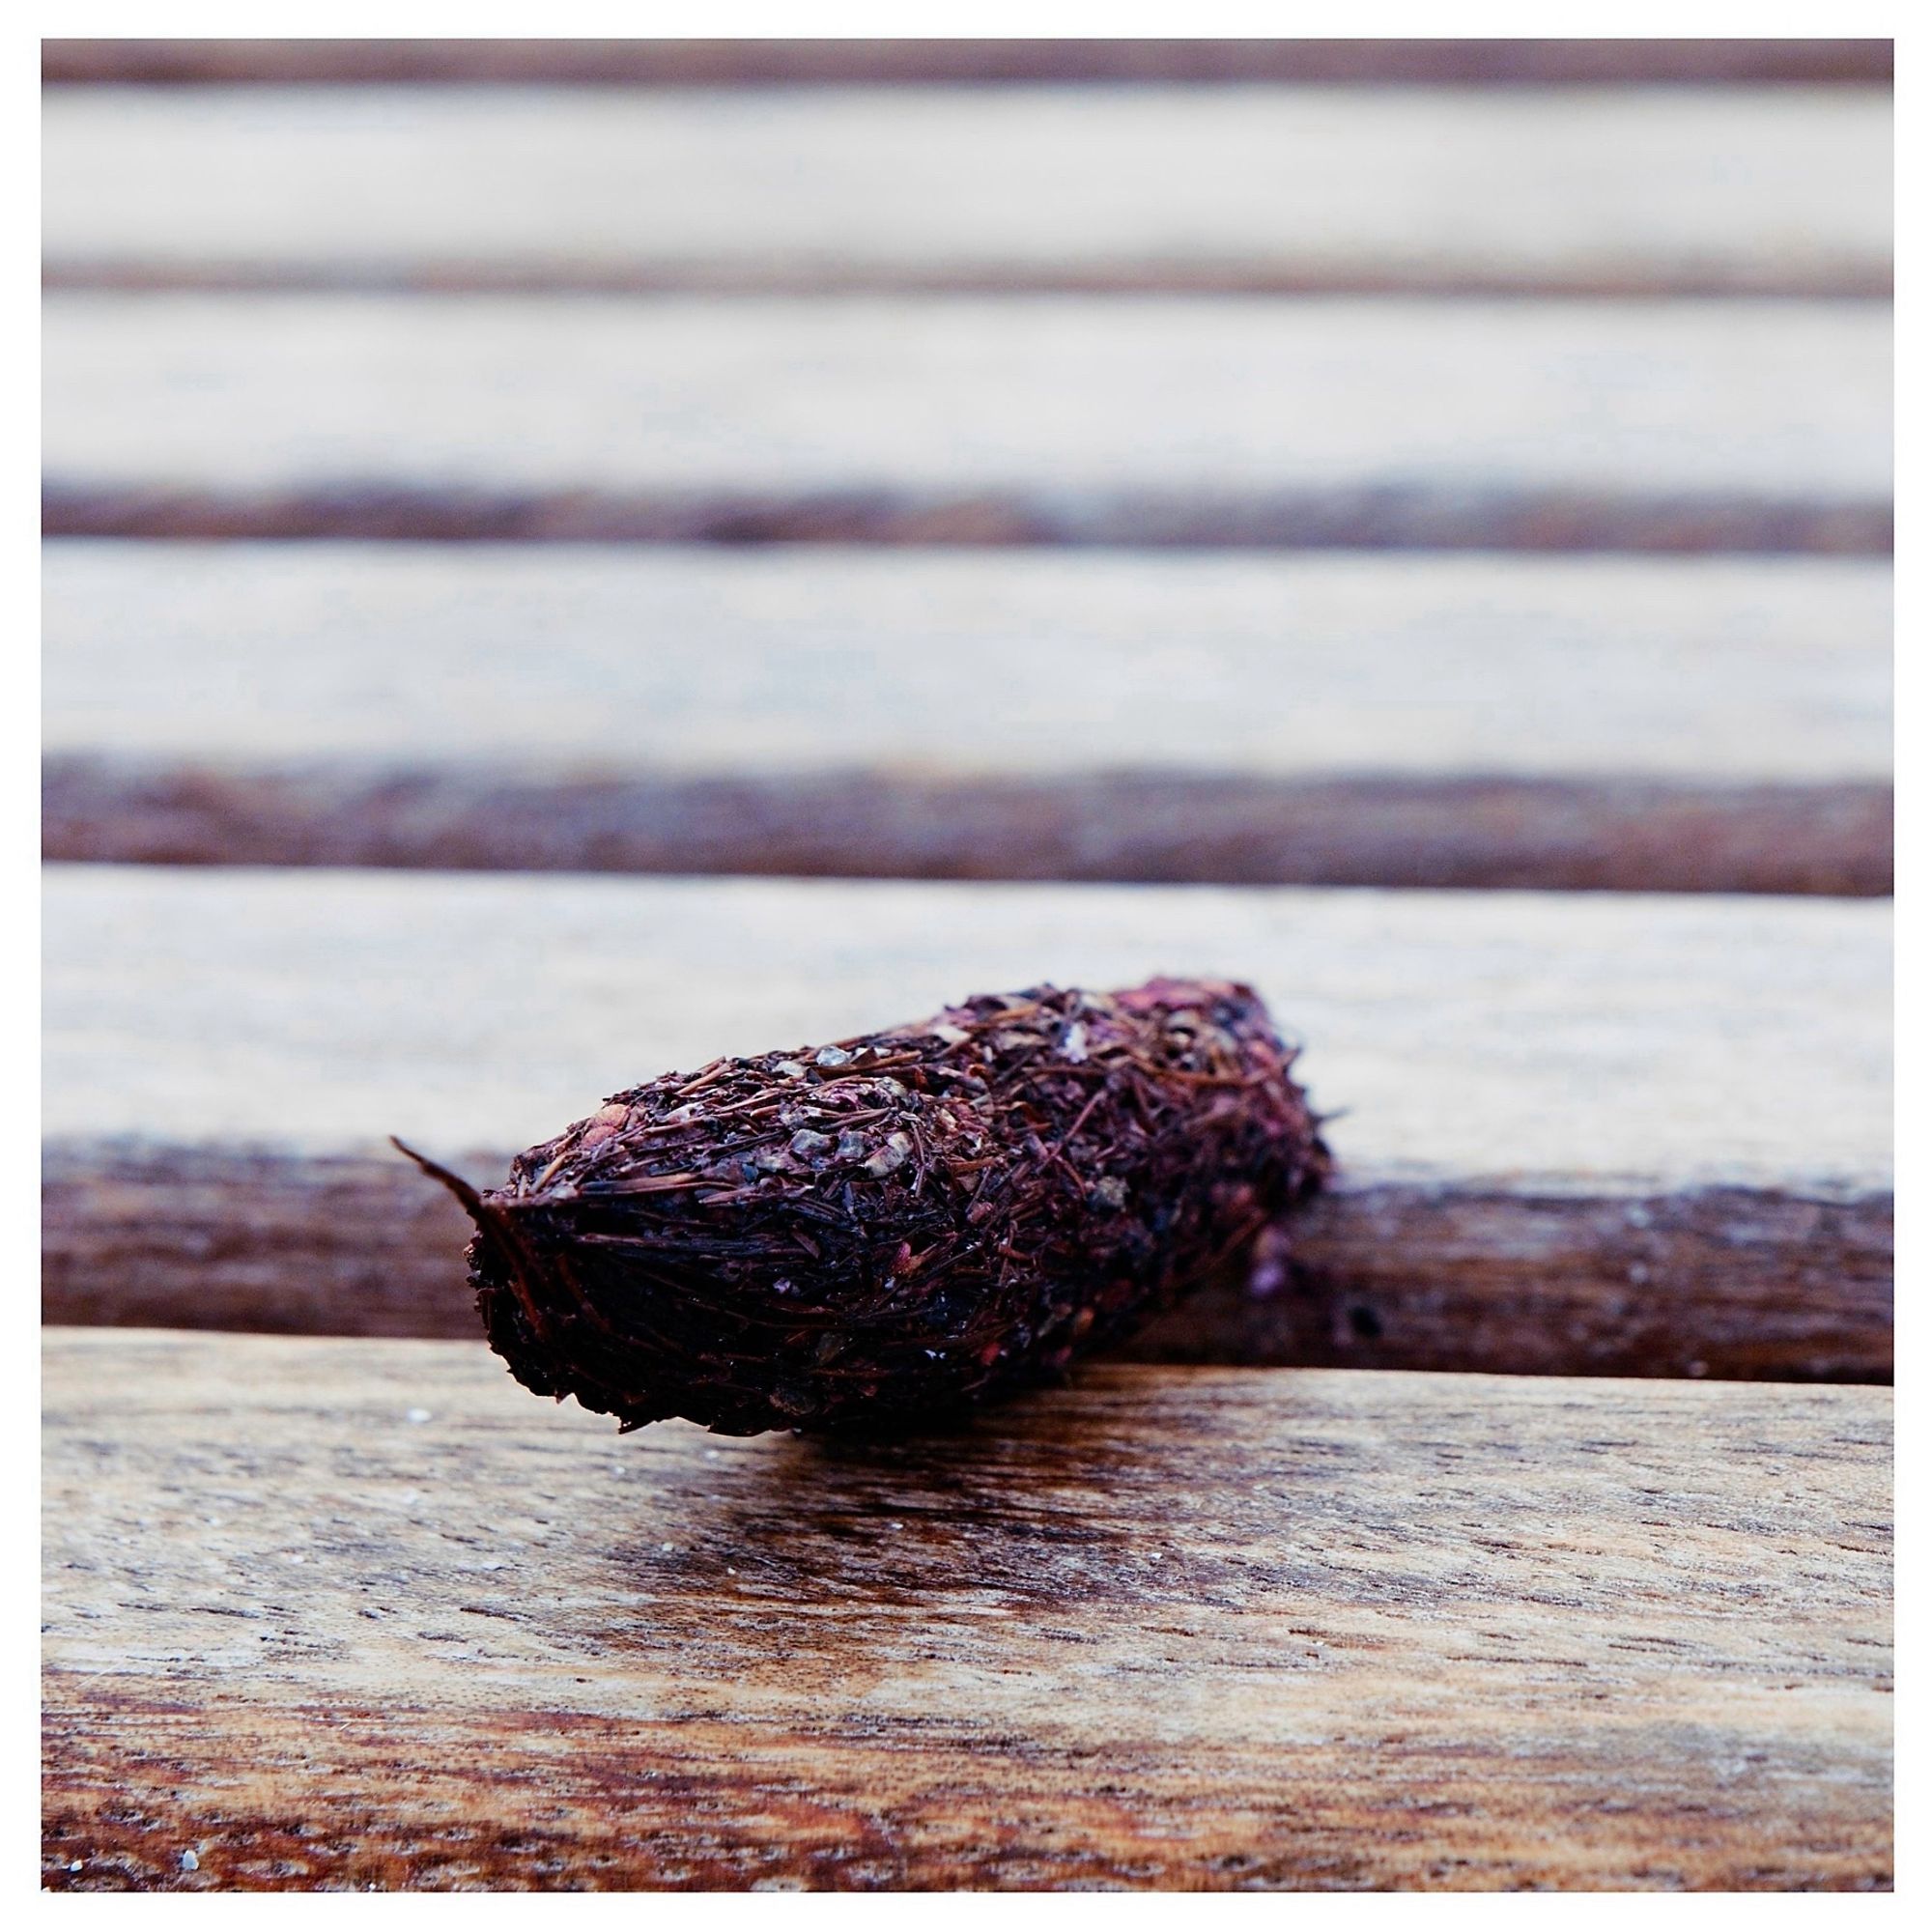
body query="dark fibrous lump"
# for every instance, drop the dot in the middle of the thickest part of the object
(882, 1229)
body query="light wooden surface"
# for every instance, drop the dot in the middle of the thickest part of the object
(1741, 425)
(1668, 723)
(710, 63)
(368, 1614)
(602, 659)
(1570, 1130)
(1610, 191)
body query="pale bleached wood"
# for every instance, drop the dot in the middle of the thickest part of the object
(708, 63)
(732, 663)
(329, 1614)
(1615, 191)
(1688, 425)
(1640, 724)
(1644, 1135)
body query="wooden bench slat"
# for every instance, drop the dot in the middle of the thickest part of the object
(1577, 1134)
(1568, 722)
(707, 660)
(711, 62)
(1252, 189)
(1123, 420)
(366, 1614)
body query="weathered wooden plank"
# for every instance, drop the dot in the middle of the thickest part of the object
(1637, 1135)
(712, 63)
(336, 1614)
(1258, 189)
(1121, 420)
(1565, 721)
(712, 660)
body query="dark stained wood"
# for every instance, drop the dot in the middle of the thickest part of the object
(712, 63)
(1609, 834)
(1838, 280)
(352, 1614)
(1738, 525)
(1734, 1282)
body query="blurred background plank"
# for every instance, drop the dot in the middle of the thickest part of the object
(1571, 1140)
(348, 1614)
(1152, 420)
(1609, 191)
(711, 62)
(1568, 722)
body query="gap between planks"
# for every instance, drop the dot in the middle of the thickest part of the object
(1570, 723)
(341, 1614)
(1238, 190)
(1640, 1135)
(715, 62)
(1237, 423)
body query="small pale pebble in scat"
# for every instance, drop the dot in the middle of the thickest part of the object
(1074, 1046)
(189, 1861)
(293, 1557)
(667, 1548)
(890, 1158)
(833, 1056)
(419, 1415)
(75, 1866)
(711, 1454)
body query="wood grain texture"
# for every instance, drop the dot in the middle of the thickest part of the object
(713, 63)
(1123, 420)
(1648, 724)
(351, 1614)
(1567, 1126)
(1257, 188)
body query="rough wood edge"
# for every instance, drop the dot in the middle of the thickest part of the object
(1395, 518)
(1730, 1282)
(710, 63)
(1605, 834)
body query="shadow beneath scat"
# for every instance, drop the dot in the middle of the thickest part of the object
(810, 1552)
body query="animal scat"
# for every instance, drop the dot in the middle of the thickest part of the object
(888, 1227)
